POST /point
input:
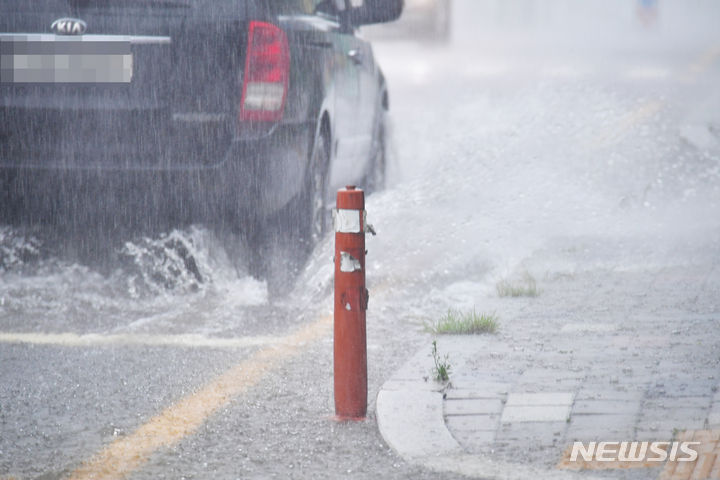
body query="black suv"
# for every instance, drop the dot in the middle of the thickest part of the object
(246, 108)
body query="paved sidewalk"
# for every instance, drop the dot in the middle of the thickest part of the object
(600, 355)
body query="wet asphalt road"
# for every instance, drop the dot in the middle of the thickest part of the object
(628, 119)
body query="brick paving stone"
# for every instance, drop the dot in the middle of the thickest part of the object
(472, 423)
(530, 435)
(683, 470)
(679, 417)
(540, 399)
(713, 419)
(675, 363)
(549, 359)
(599, 392)
(468, 380)
(549, 386)
(479, 390)
(711, 436)
(704, 467)
(616, 378)
(594, 328)
(711, 284)
(643, 434)
(664, 431)
(473, 406)
(615, 434)
(549, 381)
(474, 439)
(684, 387)
(705, 447)
(672, 403)
(715, 472)
(545, 413)
(604, 421)
(546, 376)
(641, 341)
(608, 407)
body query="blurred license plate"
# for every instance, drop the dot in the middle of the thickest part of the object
(65, 61)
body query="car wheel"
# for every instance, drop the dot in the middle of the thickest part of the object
(375, 178)
(281, 243)
(442, 21)
(314, 215)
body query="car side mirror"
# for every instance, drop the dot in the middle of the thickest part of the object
(328, 7)
(374, 11)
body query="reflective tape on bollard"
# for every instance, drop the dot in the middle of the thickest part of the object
(349, 221)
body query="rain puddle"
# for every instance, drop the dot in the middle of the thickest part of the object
(181, 273)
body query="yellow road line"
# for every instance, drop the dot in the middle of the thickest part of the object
(127, 454)
(703, 62)
(101, 340)
(637, 116)
(647, 109)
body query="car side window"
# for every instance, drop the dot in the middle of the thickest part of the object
(329, 8)
(284, 7)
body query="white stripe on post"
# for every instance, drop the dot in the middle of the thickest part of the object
(346, 221)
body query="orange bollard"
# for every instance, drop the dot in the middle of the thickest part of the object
(351, 299)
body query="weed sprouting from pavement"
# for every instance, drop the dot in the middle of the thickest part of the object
(526, 287)
(456, 322)
(441, 371)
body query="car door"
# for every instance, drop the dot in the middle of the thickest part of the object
(366, 72)
(319, 46)
(353, 118)
(325, 45)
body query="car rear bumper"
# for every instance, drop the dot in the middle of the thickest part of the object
(256, 175)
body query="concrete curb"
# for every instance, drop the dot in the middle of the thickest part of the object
(410, 418)
(412, 423)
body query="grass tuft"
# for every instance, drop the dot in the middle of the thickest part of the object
(527, 287)
(441, 370)
(456, 322)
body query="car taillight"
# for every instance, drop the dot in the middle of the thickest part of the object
(267, 74)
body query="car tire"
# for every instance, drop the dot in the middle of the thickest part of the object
(442, 21)
(302, 223)
(314, 216)
(376, 176)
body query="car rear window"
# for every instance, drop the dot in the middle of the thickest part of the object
(12, 10)
(130, 3)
